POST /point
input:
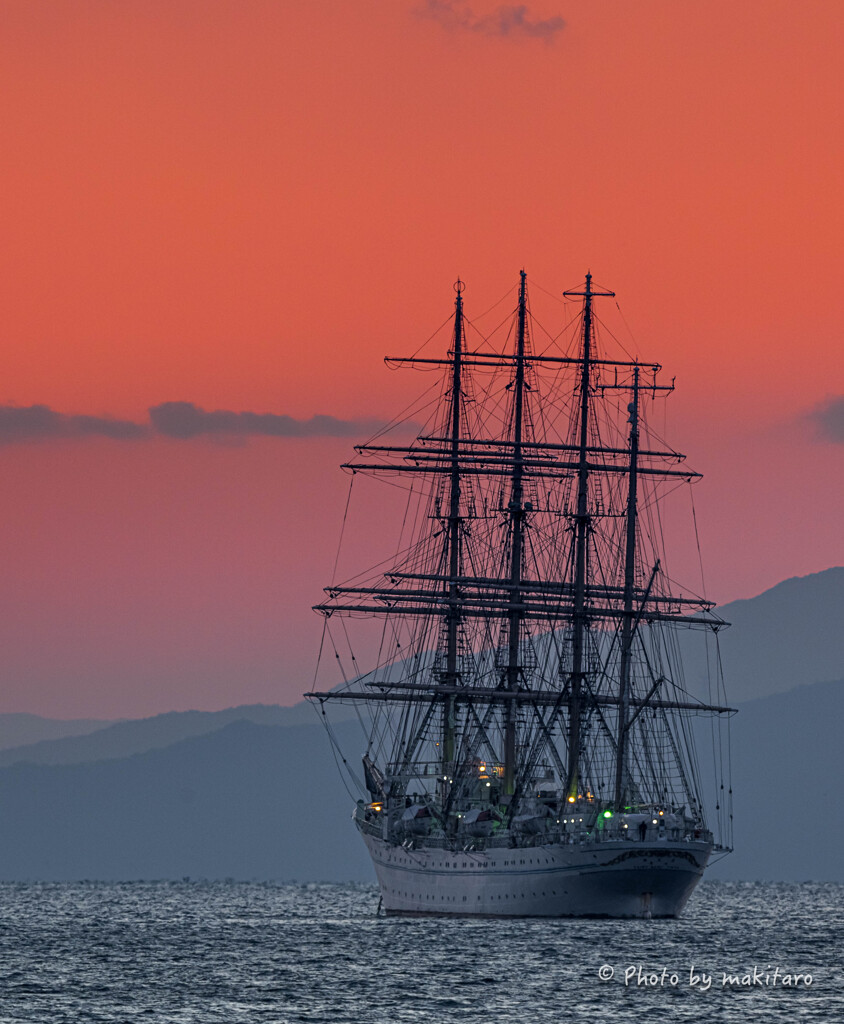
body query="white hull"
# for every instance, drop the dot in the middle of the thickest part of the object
(607, 879)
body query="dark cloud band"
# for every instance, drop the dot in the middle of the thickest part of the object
(508, 20)
(41, 423)
(185, 420)
(179, 420)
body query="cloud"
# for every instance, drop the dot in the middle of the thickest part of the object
(828, 419)
(185, 420)
(508, 20)
(41, 423)
(180, 420)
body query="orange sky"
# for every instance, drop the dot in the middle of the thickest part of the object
(246, 204)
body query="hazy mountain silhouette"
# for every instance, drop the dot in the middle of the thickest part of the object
(20, 729)
(788, 761)
(247, 801)
(787, 636)
(254, 792)
(259, 801)
(120, 739)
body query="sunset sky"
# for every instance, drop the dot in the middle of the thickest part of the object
(243, 205)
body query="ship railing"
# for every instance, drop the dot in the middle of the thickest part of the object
(506, 838)
(370, 828)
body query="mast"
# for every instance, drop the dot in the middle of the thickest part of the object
(450, 677)
(627, 626)
(582, 528)
(517, 515)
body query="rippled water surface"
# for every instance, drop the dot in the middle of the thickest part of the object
(232, 952)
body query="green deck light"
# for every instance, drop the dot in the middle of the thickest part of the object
(607, 814)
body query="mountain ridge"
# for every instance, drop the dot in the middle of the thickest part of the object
(253, 791)
(253, 800)
(210, 806)
(120, 739)
(784, 637)
(20, 728)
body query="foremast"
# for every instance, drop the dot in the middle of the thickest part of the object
(516, 512)
(582, 526)
(451, 677)
(627, 624)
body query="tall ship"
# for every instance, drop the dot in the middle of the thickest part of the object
(530, 742)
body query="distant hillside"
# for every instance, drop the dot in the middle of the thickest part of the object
(788, 763)
(17, 730)
(254, 791)
(788, 636)
(267, 802)
(247, 801)
(121, 739)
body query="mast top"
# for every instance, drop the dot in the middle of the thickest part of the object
(588, 293)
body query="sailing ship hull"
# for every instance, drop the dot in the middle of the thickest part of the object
(529, 753)
(619, 879)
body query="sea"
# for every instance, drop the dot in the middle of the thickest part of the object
(202, 951)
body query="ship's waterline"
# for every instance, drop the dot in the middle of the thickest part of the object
(610, 879)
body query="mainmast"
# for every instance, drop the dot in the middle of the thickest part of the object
(517, 515)
(582, 528)
(452, 617)
(627, 625)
